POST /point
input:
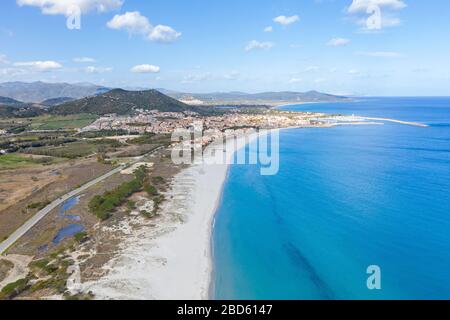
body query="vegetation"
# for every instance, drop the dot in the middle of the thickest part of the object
(131, 204)
(151, 138)
(81, 237)
(105, 133)
(147, 214)
(103, 206)
(121, 102)
(48, 122)
(53, 270)
(158, 180)
(151, 190)
(157, 201)
(13, 289)
(38, 205)
(14, 161)
(76, 149)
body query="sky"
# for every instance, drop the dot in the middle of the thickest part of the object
(349, 47)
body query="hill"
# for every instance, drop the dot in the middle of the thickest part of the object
(4, 101)
(264, 98)
(24, 111)
(37, 92)
(122, 102)
(56, 101)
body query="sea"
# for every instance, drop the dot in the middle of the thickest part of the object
(346, 200)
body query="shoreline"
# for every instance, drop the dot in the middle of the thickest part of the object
(172, 258)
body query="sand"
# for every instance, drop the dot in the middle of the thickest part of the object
(170, 258)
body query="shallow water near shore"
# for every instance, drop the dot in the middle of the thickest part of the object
(345, 198)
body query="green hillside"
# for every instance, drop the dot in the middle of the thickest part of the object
(122, 102)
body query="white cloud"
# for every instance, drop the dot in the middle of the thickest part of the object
(380, 54)
(84, 60)
(233, 75)
(364, 5)
(312, 69)
(258, 45)
(268, 29)
(92, 69)
(338, 42)
(64, 7)
(354, 72)
(40, 66)
(320, 80)
(145, 68)
(295, 80)
(162, 33)
(191, 78)
(385, 22)
(3, 59)
(135, 23)
(12, 72)
(284, 20)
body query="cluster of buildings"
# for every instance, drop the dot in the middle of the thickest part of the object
(166, 122)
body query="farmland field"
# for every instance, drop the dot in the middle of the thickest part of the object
(62, 122)
(13, 161)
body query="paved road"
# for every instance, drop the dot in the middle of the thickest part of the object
(41, 214)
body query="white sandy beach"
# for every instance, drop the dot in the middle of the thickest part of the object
(170, 258)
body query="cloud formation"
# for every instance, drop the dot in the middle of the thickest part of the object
(135, 23)
(252, 45)
(40, 66)
(338, 42)
(83, 60)
(64, 7)
(3, 59)
(380, 54)
(364, 5)
(145, 68)
(95, 70)
(284, 20)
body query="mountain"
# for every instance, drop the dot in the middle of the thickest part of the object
(4, 101)
(39, 91)
(56, 101)
(27, 111)
(264, 98)
(120, 101)
(11, 108)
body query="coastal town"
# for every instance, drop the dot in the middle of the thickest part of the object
(154, 121)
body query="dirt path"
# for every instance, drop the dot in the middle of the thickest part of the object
(19, 271)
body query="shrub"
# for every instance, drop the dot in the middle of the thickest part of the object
(81, 237)
(14, 289)
(151, 190)
(102, 206)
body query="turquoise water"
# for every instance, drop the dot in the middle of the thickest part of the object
(345, 198)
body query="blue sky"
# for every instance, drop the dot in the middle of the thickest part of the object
(233, 45)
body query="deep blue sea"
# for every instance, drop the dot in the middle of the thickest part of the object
(345, 198)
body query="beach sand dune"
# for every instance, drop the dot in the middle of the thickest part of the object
(170, 258)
